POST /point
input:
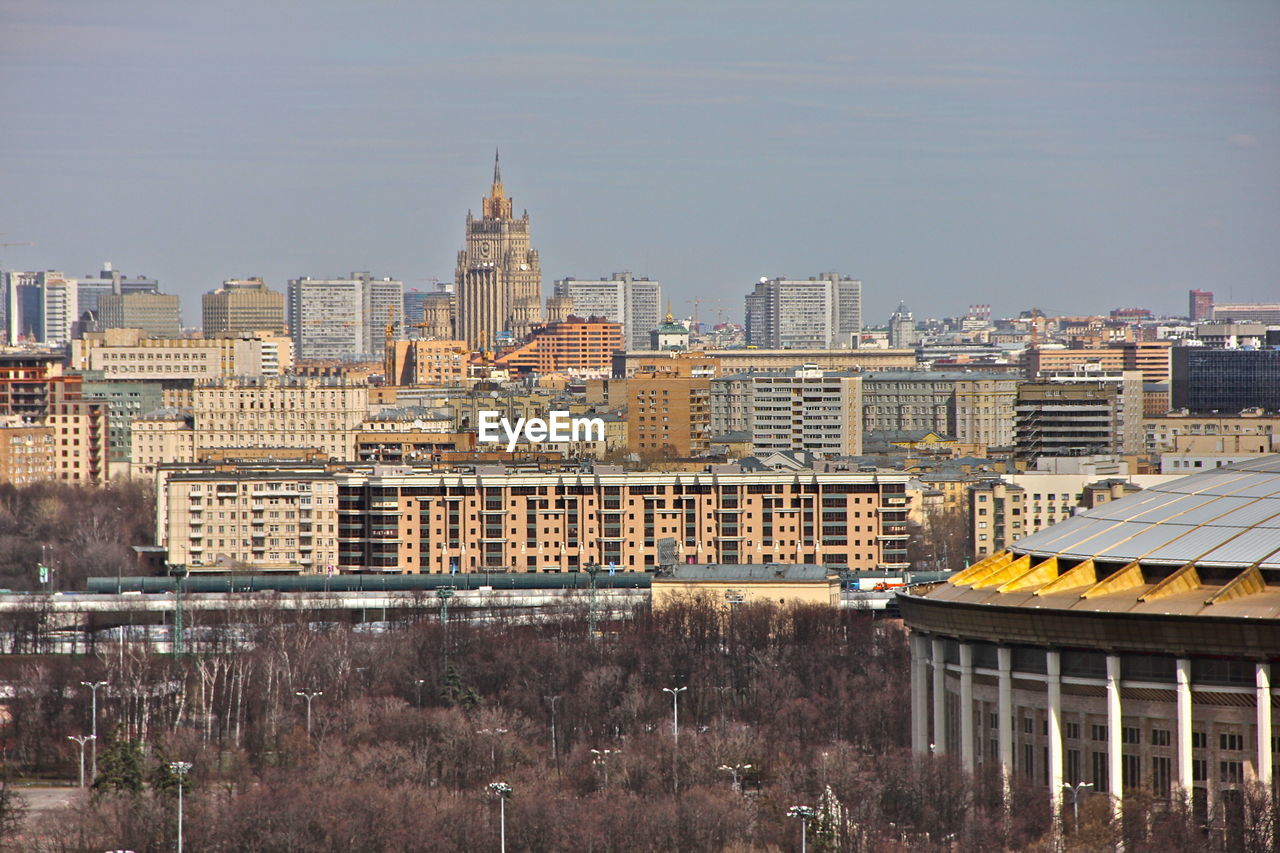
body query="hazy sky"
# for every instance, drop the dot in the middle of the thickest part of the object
(1077, 156)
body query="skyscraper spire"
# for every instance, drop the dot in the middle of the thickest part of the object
(497, 170)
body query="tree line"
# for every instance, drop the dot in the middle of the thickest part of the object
(409, 726)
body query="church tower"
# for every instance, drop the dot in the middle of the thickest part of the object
(499, 277)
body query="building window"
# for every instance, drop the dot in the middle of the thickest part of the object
(1098, 732)
(1231, 772)
(1159, 737)
(1230, 742)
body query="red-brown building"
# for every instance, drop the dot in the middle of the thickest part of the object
(574, 345)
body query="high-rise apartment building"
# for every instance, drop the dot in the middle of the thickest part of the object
(243, 305)
(824, 312)
(345, 318)
(41, 306)
(155, 314)
(1201, 307)
(499, 276)
(807, 411)
(636, 303)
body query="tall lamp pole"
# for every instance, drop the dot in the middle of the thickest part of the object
(180, 768)
(806, 814)
(502, 791)
(308, 695)
(675, 710)
(593, 569)
(82, 740)
(1075, 801)
(93, 687)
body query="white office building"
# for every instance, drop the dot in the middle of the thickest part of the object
(823, 312)
(343, 318)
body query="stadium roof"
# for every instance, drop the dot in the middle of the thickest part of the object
(1206, 545)
(1226, 517)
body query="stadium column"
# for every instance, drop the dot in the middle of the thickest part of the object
(919, 693)
(1004, 712)
(1053, 689)
(939, 745)
(966, 706)
(1115, 722)
(1184, 726)
(1263, 768)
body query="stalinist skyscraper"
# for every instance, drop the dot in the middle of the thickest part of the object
(499, 278)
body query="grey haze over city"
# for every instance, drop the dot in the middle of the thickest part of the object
(1076, 157)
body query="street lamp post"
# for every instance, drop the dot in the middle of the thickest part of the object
(806, 814)
(180, 768)
(675, 710)
(493, 744)
(308, 695)
(592, 569)
(1075, 801)
(737, 771)
(82, 740)
(502, 791)
(93, 764)
(602, 759)
(417, 683)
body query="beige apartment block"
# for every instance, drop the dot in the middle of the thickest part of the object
(80, 429)
(409, 521)
(432, 362)
(668, 415)
(27, 452)
(984, 410)
(1204, 434)
(246, 518)
(997, 516)
(320, 413)
(129, 354)
(162, 437)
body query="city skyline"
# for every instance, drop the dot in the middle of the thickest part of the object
(1098, 158)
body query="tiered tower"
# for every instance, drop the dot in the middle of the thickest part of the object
(499, 277)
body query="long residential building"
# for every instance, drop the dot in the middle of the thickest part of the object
(409, 521)
(974, 408)
(129, 354)
(320, 414)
